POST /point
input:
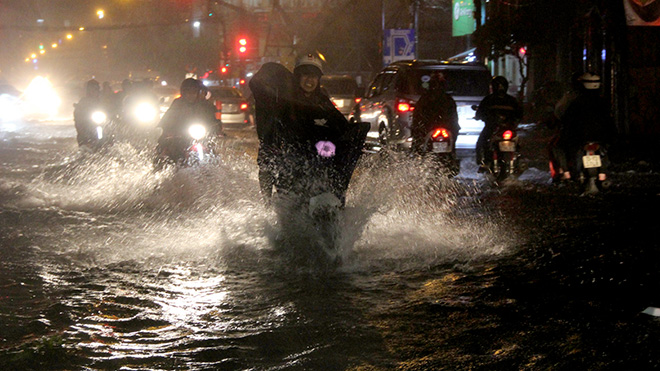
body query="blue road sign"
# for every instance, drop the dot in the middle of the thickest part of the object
(399, 44)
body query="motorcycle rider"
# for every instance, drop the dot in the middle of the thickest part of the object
(555, 125)
(586, 119)
(190, 106)
(498, 103)
(433, 104)
(313, 138)
(82, 113)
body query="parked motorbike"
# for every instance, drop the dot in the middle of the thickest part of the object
(440, 144)
(196, 146)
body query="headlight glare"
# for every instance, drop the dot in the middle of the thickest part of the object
(145, 113)
(197, 131)
(99, 117)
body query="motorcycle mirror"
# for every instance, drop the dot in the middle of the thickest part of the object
(474, 107)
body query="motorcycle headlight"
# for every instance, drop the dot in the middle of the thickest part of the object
(99, 117)
(197, 131)
(145, 113)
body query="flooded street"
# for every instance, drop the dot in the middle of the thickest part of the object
(105, 264)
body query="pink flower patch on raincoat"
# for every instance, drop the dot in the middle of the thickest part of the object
(325, 148)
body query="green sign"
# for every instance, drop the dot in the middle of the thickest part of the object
(462, 17)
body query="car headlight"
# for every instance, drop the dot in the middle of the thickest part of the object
(99, 117)
(145, 113)
(197, 131)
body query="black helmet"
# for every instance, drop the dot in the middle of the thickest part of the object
(191, 84)
(499, 83)
(92, 85)
(92, 88)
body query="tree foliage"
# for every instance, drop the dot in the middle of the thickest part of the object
(512, 25)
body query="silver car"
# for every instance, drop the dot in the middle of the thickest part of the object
(342, 90)
(390, 100)
(232, 107)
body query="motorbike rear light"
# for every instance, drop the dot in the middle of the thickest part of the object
(358, 100)
(507, 135)
(440, 133)
(244, 106)
(593, 147)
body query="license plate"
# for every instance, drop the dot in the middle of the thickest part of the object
(591, 162)
(442, 147)
(507, 146)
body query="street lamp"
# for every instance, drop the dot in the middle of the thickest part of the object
(100, 13)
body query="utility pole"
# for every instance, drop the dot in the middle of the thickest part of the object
(416, 26)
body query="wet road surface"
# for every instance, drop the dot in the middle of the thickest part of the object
(107, 265)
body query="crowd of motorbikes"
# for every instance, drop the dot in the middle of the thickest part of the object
(195, 139)
(134, 118)
(502, 160)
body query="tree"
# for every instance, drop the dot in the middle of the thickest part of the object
(515, 27)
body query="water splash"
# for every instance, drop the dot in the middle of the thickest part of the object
(398, 210)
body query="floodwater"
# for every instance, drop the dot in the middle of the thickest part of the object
(105, 264)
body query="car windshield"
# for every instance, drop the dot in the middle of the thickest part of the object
(344, 86)
(225, 93)
(460, 82)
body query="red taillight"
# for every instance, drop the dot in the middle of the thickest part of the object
(244, 106)
(507, 135)
(593, 147)
(358, 100)
(440, 133)
(404, 105)
(218, 108)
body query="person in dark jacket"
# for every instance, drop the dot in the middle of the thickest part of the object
(434, 106)
(82, 113)
(306, 141)
(317, 141)
(493, 109)
(272, 88)
(191, 107)
(587, 119)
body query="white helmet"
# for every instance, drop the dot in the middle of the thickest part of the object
(590, 81)
(310, 60)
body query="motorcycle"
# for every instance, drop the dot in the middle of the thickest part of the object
(440, 144)
(504, 160)
(139, 120)
(309, 195)
(97, 130)
(143, 115)
(589, 164)
(196, 146)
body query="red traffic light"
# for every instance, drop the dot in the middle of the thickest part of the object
(223, 69)
(242, 45)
